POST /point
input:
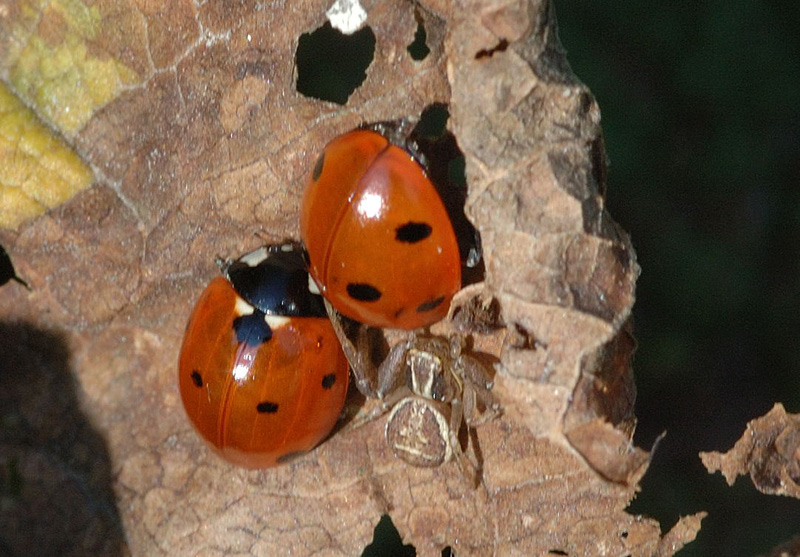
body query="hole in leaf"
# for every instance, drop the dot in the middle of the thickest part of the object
(457, 170)
(525, 340)
(489, 52)
(448, 552)
(330, 64)
(7, 271)
(432, 122)
(418, 49)
(446, 169)
(386, 541)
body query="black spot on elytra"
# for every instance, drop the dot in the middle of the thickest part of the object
(430, 305)
(412, 232)
(266, 407)
(289, 456)
(328, 381)
(318, 168)
(197, 379)
(363, 292)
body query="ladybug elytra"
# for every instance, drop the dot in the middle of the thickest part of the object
(380, 241)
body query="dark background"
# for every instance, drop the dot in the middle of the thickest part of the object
(701, 113)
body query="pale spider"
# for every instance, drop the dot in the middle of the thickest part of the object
(430, 388)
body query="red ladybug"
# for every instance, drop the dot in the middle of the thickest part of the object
(380, 241)
(261, 372)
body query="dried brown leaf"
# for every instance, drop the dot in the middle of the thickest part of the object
(684, 531)
(769, 451)
(209, 143)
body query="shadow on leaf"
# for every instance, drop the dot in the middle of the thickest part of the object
(55, 471)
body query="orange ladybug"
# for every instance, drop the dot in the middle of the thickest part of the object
(261, 373)
(380, 241)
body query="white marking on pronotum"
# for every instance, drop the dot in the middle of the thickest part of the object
(276, 321)
(255, 257)
(312, 286)
(242, 307)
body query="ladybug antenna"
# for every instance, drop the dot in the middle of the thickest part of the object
(223, 264)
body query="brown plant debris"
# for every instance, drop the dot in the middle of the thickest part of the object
(769, 451)
(684, 531)
(200, 145)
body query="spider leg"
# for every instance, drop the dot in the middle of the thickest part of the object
(477, 386)
(467, 467)
(358, 352)
(391, 372)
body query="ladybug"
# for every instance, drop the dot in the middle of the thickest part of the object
(381, 244)
(262, 375)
